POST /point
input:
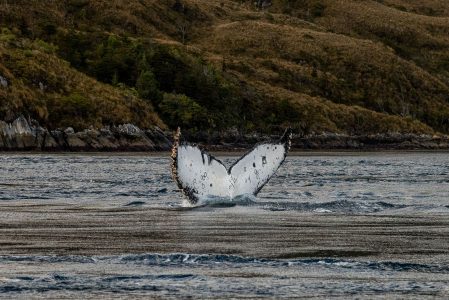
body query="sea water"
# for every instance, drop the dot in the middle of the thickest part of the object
(326, 225)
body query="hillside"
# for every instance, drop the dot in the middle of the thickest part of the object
(342, 66)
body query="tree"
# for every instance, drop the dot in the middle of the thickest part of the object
(148, 87)
(180, 110)
(182, 28)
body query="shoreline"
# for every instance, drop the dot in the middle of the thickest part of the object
(226, 153)
(24, 135)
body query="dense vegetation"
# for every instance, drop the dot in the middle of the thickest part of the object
(353, 66)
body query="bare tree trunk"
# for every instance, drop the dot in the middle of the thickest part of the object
(182, 27)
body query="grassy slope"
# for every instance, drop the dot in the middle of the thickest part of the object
(45, 87)
(319, 65)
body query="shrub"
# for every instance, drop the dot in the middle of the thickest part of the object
(73, 110)
(148, 87)
(6, 35)
(45, 47)
(180, 110)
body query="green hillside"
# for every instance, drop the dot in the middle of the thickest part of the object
(346, 66)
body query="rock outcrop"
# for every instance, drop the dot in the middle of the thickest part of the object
(27, 135)
(18, 134)
(381, 141)
(329, 141)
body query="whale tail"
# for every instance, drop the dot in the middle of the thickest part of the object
(174, 157)
(287, 137)
(200, 175)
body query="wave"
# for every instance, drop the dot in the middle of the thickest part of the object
(214, 259)
(341, 206)
(179, 259)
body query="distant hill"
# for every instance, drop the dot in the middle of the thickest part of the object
(342, 66)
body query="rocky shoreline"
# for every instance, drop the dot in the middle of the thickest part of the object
(27, 135)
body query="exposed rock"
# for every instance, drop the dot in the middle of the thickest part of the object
(161, 142)
(74, 142)
(90, 137)
(140, 143)
(108, 142)
(28, 135)
(23, 134)
(387, 141)
(59, 138)
(49, 143)
(39, 133)
(2, 144)
(18, 135)
(3, 127)
(3, 82)
(128, 129)
(18, 127)
(69, 130)
(263, 3)
(106, 131)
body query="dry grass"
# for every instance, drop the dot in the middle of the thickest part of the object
(420, 38)
(39, 80)
(320, 115)
(333, 66)
(356, 65)
(424, 7)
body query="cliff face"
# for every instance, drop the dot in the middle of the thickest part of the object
(348, 67)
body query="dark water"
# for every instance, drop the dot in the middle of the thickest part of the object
(348, 226)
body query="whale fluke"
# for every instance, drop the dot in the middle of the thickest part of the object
(200, 175)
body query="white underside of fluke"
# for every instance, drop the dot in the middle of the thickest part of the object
(202, 176)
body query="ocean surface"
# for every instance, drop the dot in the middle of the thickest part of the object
(327, 225)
